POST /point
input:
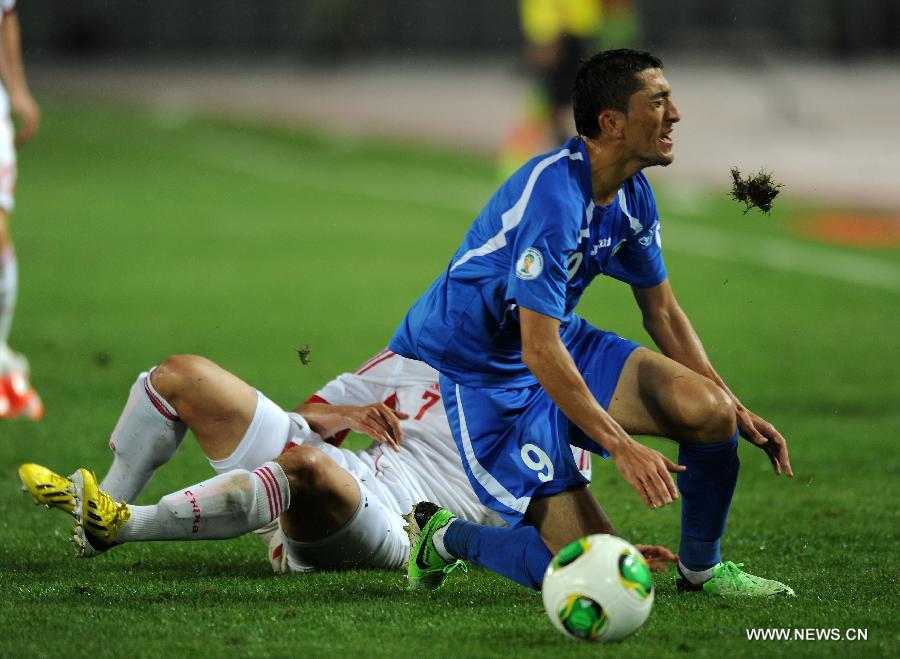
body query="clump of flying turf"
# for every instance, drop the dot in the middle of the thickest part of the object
(303, 353)
(756, 191)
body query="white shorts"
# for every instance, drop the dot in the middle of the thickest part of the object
(374, 537)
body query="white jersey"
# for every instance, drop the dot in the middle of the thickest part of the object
(428, 466)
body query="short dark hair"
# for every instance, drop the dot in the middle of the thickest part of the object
(605, 82)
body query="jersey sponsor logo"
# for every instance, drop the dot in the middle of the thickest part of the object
(530, 264)
(600, 244)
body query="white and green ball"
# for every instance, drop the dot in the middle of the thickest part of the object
(598, 588)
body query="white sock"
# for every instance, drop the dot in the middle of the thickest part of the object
(9, 284)
(696, 577)
(146, 437)
(225, 506)
(438, 541)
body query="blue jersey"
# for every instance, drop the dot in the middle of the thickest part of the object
(538, 243)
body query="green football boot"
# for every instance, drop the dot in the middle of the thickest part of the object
(729, 580)
(427, 568)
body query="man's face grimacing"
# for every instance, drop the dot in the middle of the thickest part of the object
(650, 120)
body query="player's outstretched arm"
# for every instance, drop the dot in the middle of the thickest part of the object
(13, 73)
(376, 420)
(671, 330)
(545, 355)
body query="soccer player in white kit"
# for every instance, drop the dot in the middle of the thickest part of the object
(17, 397)
(280, 473)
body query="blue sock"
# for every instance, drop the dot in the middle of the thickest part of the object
(517, 554)
(706, 489)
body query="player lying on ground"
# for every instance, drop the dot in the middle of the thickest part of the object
(343, 508)
(340, 509)
(523, 376)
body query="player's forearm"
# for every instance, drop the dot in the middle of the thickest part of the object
(673, 333)
(324, 419)
(11, 68)
(556, 372)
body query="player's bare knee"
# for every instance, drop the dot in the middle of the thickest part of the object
(709, 417)
(721, 417)
(176, 375)
(307, 468)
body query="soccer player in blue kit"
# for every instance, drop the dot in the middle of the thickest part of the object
(523, 376)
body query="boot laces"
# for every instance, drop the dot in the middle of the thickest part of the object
(737, 577)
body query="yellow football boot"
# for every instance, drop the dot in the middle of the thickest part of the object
(97, 515)
(47, 487)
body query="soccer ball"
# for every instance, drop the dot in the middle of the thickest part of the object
(598, 588)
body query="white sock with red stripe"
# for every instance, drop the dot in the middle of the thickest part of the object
(145, 438)
(225, 506)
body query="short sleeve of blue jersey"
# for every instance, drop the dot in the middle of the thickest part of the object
(639, 260)
(539, 250)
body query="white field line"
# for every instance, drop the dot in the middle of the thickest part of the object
(780, 253)
(387, 182)
(439, 190)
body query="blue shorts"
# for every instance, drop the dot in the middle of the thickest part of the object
(515, 443)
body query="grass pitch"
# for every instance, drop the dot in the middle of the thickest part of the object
(142, 235)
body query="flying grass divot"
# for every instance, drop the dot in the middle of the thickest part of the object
(756, 191)
(303, 353)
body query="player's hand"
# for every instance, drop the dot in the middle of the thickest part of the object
(755, 429)
(657, 557)
(28, 112)
(648, 472)
(379, 422)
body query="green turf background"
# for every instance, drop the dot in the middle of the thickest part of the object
(142, 235)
